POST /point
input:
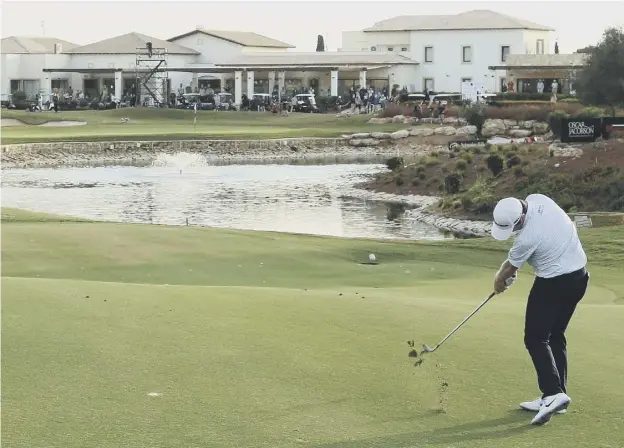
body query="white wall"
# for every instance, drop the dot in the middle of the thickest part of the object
(263, 50)
(447, 68)
(530, 40)
(361, 41)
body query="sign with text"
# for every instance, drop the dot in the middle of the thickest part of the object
(582, 221)
(611, 125)
(580, 129)
(456, 146)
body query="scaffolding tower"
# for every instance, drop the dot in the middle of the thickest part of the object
(151, 76)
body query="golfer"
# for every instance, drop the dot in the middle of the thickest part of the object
(547, 240)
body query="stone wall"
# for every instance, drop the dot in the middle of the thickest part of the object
(460, 226)
(458, 126)
(119, 152)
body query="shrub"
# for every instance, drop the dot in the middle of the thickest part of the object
(392, 110)
(477, 149)
(452, 183)
(518, 171)
(422, 175)
(18, 96)
(554, 121)
(395, 163)
(466, 156)
(488, 146)
(590, 112)
(475, 115)
(495, 163)
(83, 103)
(480, 196)
(513, 161)
(398, 180)
(452, 155)
(95, 104)
(415, 182)
(429, 161)
(461, 165)
(421, 169)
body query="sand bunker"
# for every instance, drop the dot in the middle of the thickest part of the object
(6, 122)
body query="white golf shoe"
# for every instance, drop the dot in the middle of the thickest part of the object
(551, 405)
(535, 405)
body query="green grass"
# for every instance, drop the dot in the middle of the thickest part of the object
(271, 340)
(171, 124)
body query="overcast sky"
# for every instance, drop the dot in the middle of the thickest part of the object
(297, 22)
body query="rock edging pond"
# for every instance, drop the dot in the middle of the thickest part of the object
(55, 154)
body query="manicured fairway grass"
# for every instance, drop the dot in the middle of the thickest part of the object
(271, 340)
(169, 124)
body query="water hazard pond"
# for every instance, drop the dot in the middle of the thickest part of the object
(287, 198)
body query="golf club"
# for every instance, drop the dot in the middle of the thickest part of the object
(428, 349)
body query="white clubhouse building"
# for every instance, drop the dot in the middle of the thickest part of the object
(417, 52)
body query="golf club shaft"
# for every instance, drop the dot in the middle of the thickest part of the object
(464, 321)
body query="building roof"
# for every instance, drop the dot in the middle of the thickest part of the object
(470, 20)
(536, 61)
(244, 38)
(317, 59)
(33, 45)
(128, 43)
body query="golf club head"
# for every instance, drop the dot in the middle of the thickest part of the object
(427, 349)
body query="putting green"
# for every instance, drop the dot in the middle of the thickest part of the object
(169, 124)
(272, 340)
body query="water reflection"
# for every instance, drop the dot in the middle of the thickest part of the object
(288, 198)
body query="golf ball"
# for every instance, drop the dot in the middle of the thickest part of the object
(372, 257)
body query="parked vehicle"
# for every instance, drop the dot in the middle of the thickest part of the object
(306, 103)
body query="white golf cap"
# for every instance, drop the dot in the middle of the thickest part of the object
(507, 214)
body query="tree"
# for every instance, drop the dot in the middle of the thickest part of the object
(556, 47)
(601, 82)
(320, 43)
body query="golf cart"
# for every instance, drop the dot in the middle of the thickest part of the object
(260, 101)
(306, 103)
(194, 98)
(224, 99)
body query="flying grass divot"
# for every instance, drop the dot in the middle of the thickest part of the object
(414, 354)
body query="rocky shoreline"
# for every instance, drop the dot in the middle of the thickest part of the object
(29, 155)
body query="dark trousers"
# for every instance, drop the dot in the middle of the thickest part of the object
(550, 307)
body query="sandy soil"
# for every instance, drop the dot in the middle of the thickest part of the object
(8, 122)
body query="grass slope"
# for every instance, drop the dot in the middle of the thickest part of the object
(170, 124)
(264, 339)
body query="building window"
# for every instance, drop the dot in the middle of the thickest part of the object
(504, 53)
(466, 80)
(466, 54)
(403, 48)
(428, 54)
(15, 85)
(539, 46)
(373, 48)
(390, 48)
(428, 84)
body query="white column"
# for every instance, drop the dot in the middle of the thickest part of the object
(281, 81)
(271, 82)
(362, 78)
(195, 83)
(118, 86)
(238, 86)
(250, 84)
(222, 83)
(46, 87)
(334, 83)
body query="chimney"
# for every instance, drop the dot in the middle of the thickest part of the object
(58, 48)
